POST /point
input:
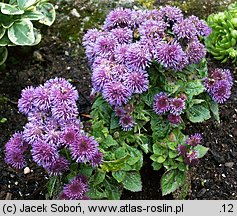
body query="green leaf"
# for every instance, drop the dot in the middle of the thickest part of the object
(3, 55)
(173, 154)
(160, 127)
(161, 159)
(49, 13)
(194, 88)
(113, 189)
(95, 193)
(37, 36)
(114, 165)
(3, 120)
(108, 142)
(215, 110)
(51, 185)
(32, 15)
(114, 122)
(198, 113)
(4, 41)
(148, 98)
(99, 177)
(25, 3)
(86, 170)
(22, 33)
(2, 31)
(119, 175)
(156, 166)
(132, 181)
(201, 150)
(158, 149)
(11, 9)
(172, 180)
(182, 167)
(6, 20)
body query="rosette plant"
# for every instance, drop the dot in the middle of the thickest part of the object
(16, 27)
(149, 78)
(222, 42)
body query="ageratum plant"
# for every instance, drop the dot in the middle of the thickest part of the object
(149, 78)
(55, 138)
(222, 42)
(16, 27)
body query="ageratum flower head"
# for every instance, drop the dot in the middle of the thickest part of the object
(218, 84)
(53, 125)
(161, 103)
(75, 189)
(194, 140)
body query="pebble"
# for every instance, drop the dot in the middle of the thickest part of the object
(8, 196)
(26, 170)
(229, 164)
(201, 192)
(37, 56)
(75, 13)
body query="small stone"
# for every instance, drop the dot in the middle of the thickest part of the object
(37, 56)
(12, 175)
(16, 183)
(229, 164)
(26, 170)
(75, 13)
(66, 53)
(8, 196)
(223, 175)
(201, 192)
(68, 68)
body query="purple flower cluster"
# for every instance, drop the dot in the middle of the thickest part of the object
(175, 106)
(218, 84)
(187, 150)
(75, 189)
(131, 40)
(52, 125)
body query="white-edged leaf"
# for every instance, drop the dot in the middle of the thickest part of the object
(22, 33)
(2, 31)
(3, 54)
(38, 37)
(4, 41)
(33, 15)
(25, 3)
(49, 13)
(201, 150)
(11, 9)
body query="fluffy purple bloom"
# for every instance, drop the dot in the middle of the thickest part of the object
(15, 158)
(137, 81)
(153, 29)
(64, 111)
(191, 158)
(221, 91)
(58, 167)
(119, 72)
(84, 149)
(161, 103)
(182, 149)
(171, 14)
(33, 131)
(16, 142)
(177, 105)
(43, 153)
(194, 140)
(101, 75)
(115, 93)
(171, 56)
(218, 74)
(119, 17)
(195, 51)
(96, 159)
(90, 37)
(153, 15)
(174, 119)
(138, 56)
(26, 102)
(70, 135)
(76, 188)
(119, 111)
(126, 122)
(42, 98)
(120, 53)
(104, 46)
(122, 35)
(184, 29)
(201, 26)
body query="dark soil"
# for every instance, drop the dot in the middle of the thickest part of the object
(57, 55)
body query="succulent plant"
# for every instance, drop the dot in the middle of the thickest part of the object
(16, 27)
(222, 42)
